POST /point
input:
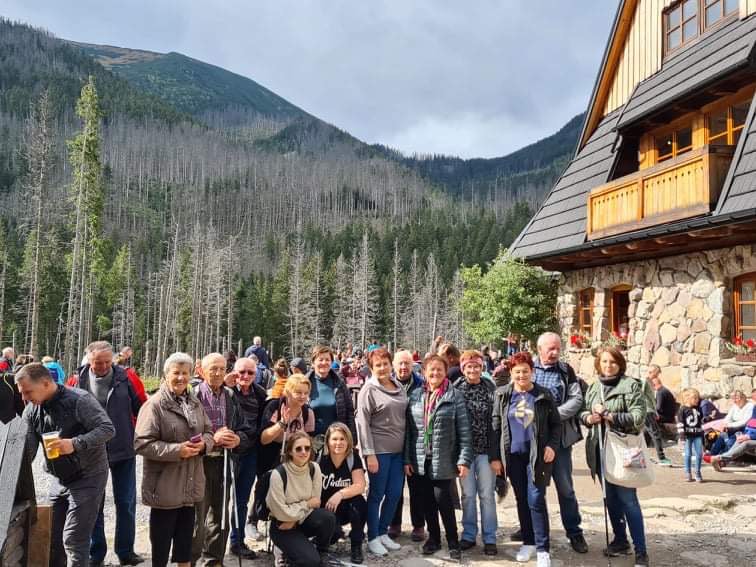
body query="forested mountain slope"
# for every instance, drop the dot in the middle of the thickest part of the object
(184, 224)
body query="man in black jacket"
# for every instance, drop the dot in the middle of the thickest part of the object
(80, 462)
(230, 433)
(251, 398)
(110, 385)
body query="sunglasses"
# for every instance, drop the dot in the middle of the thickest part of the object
(302, 449)
(245, 372)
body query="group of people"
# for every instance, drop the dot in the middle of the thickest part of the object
(213, 432)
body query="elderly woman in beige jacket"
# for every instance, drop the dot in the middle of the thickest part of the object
(294, 503)
(172, 433)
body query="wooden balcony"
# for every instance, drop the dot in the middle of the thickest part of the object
(682, 187)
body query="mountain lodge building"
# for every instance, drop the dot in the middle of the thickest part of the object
(653, 223)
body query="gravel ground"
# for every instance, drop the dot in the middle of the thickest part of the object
(709, 525)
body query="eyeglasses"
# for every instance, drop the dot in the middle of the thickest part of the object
(302, 449)
(245, 372)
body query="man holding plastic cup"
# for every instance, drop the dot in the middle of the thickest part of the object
(80, 470)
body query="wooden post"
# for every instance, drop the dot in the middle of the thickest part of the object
(38, 550)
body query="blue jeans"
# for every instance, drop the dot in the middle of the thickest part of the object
(385, 486)
(693, 445)
(123, 479)
(480, 481)
(723, 443)
(245, 478)
(568, 504)
(624, 510)
(531, 502)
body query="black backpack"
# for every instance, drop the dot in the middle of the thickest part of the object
(260, 506)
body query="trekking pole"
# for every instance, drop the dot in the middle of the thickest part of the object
(603, 490)
(225, 489)
(239, 532)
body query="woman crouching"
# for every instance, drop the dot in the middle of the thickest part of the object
(295, 512)
(526, 433)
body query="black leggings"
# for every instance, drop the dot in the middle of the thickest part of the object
(435, 497)
(353, 511)
(417, 516)
(295, 543)
(171, 526)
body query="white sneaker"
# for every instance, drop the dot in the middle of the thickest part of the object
(525, 553)
(389, 543)
(251, 532)
(544, 559)
(376, 547)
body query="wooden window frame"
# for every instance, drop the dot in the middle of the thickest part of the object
(676, 150)
(585, 327)
(613, 315)
(736, 287)
(730, 129)
(702, 28)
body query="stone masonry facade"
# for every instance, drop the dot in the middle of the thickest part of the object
(680, 317)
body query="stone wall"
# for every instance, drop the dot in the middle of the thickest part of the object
(680, 317)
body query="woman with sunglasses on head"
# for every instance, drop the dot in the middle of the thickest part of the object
(295, 512)
(344, 485)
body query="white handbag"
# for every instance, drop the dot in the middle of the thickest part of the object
(625, 460)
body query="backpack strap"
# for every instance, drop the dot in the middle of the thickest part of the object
(350, 461)
(284, 478)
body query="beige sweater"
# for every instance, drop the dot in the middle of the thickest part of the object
(292, 506)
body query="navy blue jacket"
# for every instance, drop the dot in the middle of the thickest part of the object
(122, 408)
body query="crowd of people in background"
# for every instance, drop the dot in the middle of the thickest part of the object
(309, 446)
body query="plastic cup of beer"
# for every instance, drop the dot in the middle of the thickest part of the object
(48, 438)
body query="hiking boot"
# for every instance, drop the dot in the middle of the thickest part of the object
(516, 536)
(418, 534)
(394, 531)
(641, 560)
(490, 549)
(356, 554)
(617, 548)
(466, 544)
(430, 547)
(578, 543)
(241, 550)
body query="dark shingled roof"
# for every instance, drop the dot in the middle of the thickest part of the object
(739, 190)
(725, 50)
(560, 222)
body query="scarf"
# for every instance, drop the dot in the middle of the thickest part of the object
(431, 403)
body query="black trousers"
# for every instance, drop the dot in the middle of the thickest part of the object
(296, 544)
(436, 498)
(353, 511)
(652, 427)
(416, 507)
(171, 526)
(209, 540)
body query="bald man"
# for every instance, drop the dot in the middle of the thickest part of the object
(231, 433)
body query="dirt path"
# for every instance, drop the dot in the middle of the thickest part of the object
(710, 525)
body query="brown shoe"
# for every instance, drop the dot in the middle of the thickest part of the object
(716, 462)
(394, 531)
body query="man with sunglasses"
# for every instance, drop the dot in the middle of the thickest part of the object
(251, 398)
(231, 432)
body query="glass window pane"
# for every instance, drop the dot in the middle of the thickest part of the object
(690, 8)
(673, 18)
(749, 334)
(717, 124)
(684, 139)
(713, 13)
(746, 291)
(748, 315)
(664, 146)
(739, 113)
(730, 6)
(673, 39)
(690, 29)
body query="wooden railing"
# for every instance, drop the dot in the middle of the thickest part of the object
(683, 187)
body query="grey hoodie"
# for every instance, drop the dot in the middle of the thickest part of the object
(381, 418)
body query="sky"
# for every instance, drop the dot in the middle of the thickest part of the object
(472, 78)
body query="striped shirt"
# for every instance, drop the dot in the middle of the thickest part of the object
(214, 404)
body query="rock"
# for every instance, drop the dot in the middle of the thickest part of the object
(651, 340)
(635, 294)
(644, 310)
(661, 357)
(683, 298)
(712, 374)
(683, 332)
(731, 370)
(702, 288)
(669, 295)
(715, 301)
(673, 314)
(709, 390)
(666, 278)
(680, 505)
(705, 558)
(659, 307)
(744, 383)
(714, 326)
(672, 377)
(667, 333)
(697, 309)
(746, 510)
(634, 355)
(701, 343)
(749, 371)
(698, 326)
(723, 502)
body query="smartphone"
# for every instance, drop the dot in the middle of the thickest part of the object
(196, 438)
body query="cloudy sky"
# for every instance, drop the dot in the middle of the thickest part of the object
(476, 78)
